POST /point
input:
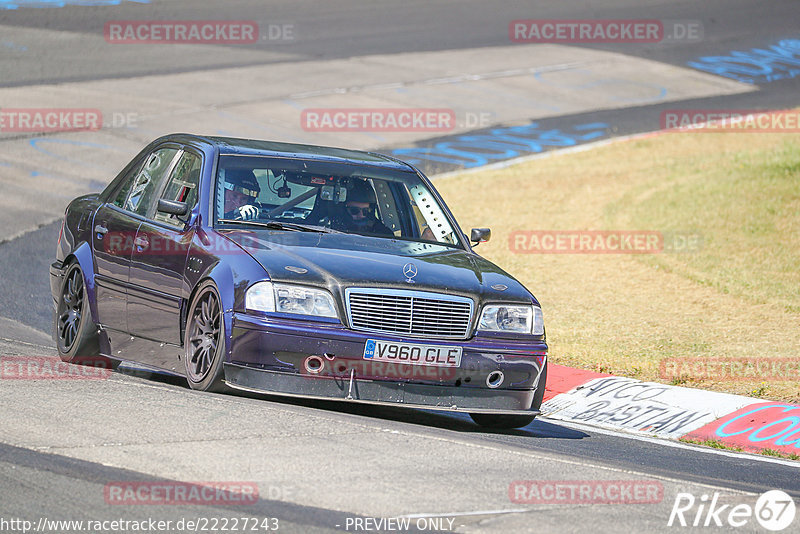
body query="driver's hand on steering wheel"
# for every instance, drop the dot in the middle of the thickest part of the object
(247, 212)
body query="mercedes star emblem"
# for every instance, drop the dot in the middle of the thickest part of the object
(409, 271)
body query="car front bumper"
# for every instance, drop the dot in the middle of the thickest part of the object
(273, 355)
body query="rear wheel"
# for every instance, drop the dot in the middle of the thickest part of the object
(514, 421)
(204, 342)
(76, 334)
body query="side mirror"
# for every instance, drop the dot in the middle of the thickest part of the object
(480, 235)
(173, 207)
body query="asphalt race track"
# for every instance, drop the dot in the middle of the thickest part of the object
(335, 467)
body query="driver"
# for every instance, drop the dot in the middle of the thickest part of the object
(241, 191)
(361, 210)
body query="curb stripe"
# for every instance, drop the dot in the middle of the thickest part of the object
(666, 411)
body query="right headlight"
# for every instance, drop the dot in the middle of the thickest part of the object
(289, 298)
(512, 318)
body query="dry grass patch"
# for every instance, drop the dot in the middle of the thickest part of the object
(737, 297)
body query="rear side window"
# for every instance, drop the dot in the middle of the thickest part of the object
(145, 185)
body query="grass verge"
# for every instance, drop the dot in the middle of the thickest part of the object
(735, 297)
(716, 444)
(713, 443)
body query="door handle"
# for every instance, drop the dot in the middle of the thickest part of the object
(141, 243)
(100, 230)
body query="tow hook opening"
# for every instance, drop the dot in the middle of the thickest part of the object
(495, 379)
(314, 364)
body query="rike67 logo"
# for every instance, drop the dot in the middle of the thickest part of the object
(774, 511)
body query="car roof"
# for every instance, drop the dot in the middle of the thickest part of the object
(254, 147)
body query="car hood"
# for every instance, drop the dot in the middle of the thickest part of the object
(338, 261)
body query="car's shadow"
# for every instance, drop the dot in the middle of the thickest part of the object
(456, 421)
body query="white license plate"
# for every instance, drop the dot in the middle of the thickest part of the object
(411, 353)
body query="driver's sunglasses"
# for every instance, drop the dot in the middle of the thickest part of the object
(355, 210)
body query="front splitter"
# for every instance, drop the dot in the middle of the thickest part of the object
(383, 393)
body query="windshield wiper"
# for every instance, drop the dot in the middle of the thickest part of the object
(277, 225)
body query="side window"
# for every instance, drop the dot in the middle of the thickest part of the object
(182, 186)
(122, 195)
(145, 185)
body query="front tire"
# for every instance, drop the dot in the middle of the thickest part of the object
(204, 340)
(505, 422)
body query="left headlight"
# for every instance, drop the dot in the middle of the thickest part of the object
(512, 319)
(288, 298)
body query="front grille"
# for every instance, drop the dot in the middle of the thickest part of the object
(414, 313)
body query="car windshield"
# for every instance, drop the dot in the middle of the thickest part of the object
(323, 196)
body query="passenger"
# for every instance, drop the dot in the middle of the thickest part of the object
(241, 191)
